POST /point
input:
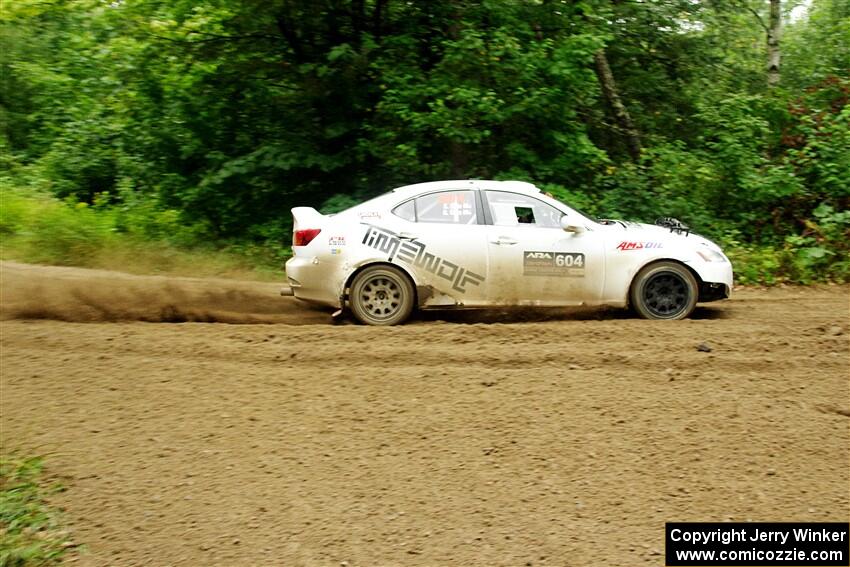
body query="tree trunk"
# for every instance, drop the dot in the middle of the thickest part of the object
(774, 31)
(621, 115)
(460, 160)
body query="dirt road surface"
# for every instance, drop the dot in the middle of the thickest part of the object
(562, 438)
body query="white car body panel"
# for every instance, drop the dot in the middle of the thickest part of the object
(481, 265)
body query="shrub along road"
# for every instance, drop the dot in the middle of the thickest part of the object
(569, 438)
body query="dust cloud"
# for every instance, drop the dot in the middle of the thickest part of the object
(80, 295)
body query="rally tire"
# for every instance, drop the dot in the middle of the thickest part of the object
(664, 290)
(381, 295)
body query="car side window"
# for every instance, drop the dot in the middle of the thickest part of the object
(406, 210)
(513, 209)
(448, 207)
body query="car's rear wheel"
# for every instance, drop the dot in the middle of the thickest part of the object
(664, 290)
(381, 295)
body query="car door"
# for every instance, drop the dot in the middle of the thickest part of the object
(533, 260)
(443, 242)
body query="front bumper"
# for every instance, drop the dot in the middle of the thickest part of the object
(716, 280)
(713, 292)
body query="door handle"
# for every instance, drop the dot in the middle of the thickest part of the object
(504, 241)
(406, 236)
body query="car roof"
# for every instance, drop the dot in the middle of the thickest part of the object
(460, 184)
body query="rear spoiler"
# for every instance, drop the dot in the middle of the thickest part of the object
(307, 217)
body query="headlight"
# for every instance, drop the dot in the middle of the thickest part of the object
(710, 255)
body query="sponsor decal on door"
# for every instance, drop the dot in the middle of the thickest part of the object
(564, 264)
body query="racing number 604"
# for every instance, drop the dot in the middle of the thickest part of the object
(569, 260)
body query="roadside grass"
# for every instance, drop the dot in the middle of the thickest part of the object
(139, 238)
(39, 229)
(30, 532)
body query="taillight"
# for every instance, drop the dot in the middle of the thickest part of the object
(304, 237)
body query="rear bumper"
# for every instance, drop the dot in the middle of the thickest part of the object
(313, 280)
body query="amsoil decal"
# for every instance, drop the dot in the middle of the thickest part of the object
(553, 264)
(336, 241)
(413, 252)
(637, 245)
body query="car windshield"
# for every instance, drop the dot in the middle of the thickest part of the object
(573, 207)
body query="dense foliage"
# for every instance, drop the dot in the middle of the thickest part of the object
(226, 113)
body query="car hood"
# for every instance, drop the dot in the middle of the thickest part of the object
(653, 232)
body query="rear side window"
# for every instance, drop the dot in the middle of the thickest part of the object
(447, 207)
(406, 210)
(512, 209)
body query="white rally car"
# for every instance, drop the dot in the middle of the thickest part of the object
(472, 243)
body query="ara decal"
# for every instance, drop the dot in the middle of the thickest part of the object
(553, 264)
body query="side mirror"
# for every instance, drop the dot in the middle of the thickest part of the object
(569, 227)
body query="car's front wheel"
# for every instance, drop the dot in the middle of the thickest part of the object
(664, 290)
(381, 295)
